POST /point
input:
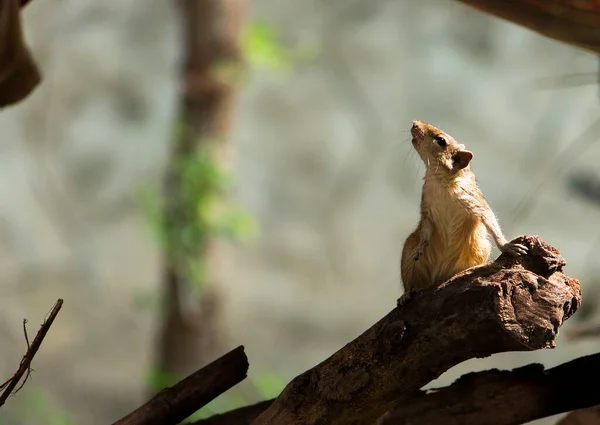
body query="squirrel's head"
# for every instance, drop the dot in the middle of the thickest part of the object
(438, 149)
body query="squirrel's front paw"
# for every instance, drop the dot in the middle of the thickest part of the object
(417, 252)
(514, 248)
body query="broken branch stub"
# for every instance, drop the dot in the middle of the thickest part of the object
(511, 304)
(174, 404)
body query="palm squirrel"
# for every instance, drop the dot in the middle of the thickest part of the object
(452, 234)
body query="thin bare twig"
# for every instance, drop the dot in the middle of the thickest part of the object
(28, 348)
(25, 365)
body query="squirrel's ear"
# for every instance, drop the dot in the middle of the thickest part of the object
(461, 159)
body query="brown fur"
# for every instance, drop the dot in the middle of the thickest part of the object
(452, 234)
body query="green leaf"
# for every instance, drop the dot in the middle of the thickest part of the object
(37, 405)
(211, 209)
(260, 45)
(242, 225)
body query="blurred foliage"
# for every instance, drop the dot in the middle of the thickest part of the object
(158, 379)
(37, 407)
(146, 300)
(204, 210)
(267, 384)
(263, 50)
(205, 215)
(260, 47)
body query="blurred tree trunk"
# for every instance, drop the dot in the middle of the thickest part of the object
(189, 334)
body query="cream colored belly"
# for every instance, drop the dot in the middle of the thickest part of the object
(451, 252)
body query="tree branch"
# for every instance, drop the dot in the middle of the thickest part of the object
(566, 21)
(19, 74)
(174, 404)
(508, 305)
(493, 397)
(497, 397)
(25, 365)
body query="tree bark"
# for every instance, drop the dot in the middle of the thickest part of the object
(189, 336)
(573, 22)
(511, 304)
(491, 397)
(497, 397)
(19, 74)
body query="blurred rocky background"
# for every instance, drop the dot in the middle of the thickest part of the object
(322, 162)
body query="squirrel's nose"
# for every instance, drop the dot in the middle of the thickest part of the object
(416, 125)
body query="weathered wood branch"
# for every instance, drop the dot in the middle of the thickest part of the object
(497, 397)
(493, 397)
(572, 22)
(511, 304)
(19, 74)
(174, 404)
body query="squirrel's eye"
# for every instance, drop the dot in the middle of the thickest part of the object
(441, 141)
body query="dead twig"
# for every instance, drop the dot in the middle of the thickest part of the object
(25, 365)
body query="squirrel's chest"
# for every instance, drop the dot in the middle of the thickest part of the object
(447, 206)
(459, 238)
